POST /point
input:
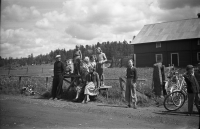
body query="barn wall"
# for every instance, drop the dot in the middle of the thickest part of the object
(187, 50)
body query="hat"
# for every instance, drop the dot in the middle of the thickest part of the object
(189, 67)
(58, 56)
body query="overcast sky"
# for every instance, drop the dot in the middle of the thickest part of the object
(39, 26)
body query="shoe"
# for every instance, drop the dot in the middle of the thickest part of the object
(134, 107)
(51, 98)
(75, 100)
(128, 106)
(84, 102)
(87, 100)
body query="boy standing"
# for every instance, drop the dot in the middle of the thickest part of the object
(101, 59)
(130, 94)
(192, 88)
(77, 57)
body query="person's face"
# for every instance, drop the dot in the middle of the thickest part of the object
(98, 51)
(130, 63)
(191, 71)
(77, 48)
(90, 69)
(58, 59)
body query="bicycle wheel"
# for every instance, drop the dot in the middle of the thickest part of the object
(174, 100)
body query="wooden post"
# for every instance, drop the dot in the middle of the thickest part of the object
(9, 70)
(47, 82)
(20, 80)
(27, 71)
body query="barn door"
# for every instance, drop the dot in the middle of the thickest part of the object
(175, 59)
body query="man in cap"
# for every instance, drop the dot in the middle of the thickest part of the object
(59, 71)
(192, 88)
(101, 59)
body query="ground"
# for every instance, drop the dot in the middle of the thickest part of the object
(24, 112)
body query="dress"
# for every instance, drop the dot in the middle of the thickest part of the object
(91, 88)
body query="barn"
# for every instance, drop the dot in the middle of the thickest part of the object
(174, 43)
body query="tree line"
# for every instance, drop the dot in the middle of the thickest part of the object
(112, 50)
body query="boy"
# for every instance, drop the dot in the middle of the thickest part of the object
(77, 57)
(130, 94)
(192, 88)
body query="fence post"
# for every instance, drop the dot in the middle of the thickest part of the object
(47, 82)
(27, 71)
(9, 70)
(20, 80)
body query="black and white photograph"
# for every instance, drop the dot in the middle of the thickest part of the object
(100, 64)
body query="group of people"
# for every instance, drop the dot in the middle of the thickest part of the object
(91, 70)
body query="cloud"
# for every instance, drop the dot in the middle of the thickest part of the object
(81, 32)
(173, 4)
(18, 13)
(44, 24)
(56, 16)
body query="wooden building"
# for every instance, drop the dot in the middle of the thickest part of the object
(176, 43)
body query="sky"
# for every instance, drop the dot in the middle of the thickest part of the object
(39, 26)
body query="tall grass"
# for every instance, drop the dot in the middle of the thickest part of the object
(10, 85)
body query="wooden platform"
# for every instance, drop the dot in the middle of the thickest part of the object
(104, 87)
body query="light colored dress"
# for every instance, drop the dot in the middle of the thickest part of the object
(91, 88)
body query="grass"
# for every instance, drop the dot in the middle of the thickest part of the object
(10, 85)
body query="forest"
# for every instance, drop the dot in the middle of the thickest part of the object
(113, 50)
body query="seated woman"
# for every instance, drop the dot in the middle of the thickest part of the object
(92, 84)
(84, 70)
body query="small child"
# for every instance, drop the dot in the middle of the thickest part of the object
(93, 62)
(130, 94)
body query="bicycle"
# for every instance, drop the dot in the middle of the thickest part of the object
(174, 100)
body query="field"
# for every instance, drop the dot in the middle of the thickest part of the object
(10, 85)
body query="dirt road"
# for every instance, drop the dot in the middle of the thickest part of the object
(26, 112)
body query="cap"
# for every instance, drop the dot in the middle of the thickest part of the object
(189, 67)
(57, 56)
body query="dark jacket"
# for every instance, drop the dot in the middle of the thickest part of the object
(192, 86)
(59, 68)
(197, 75)
(93, 77)
(132, 73)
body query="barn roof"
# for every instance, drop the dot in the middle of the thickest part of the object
(166, 31)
